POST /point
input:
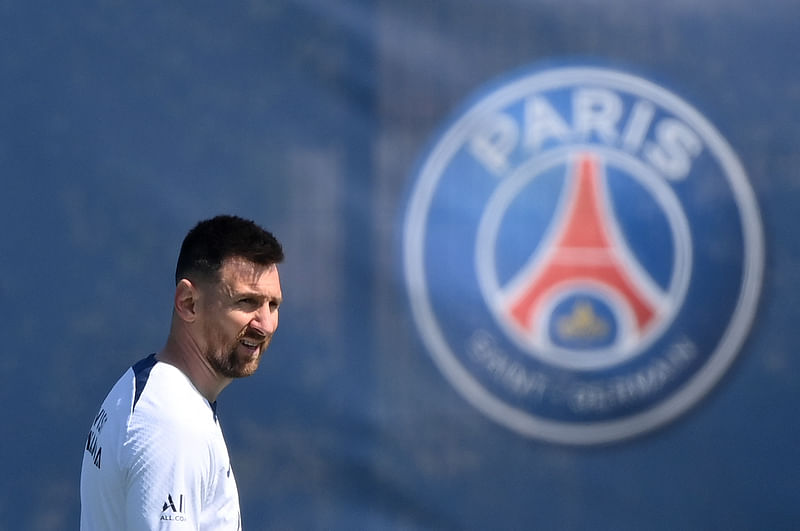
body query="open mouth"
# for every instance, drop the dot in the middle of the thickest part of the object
(250, 343)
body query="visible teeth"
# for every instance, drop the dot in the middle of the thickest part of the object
(249, 343)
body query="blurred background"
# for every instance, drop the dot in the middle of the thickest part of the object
(122, 125)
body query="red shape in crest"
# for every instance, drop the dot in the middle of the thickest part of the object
(584, 250)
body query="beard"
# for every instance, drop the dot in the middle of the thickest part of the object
(234, 360)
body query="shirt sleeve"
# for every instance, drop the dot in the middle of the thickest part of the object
(169, 473)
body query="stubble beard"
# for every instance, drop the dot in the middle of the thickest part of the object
(227, 361)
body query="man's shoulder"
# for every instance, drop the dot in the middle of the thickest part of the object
(168, 401)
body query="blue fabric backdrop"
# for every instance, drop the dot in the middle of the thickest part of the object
(122, 125)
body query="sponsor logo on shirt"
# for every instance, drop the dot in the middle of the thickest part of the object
(173, 511)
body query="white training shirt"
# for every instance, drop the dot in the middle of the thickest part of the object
(155, 458)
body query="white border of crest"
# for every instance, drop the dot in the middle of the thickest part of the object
(422, 311)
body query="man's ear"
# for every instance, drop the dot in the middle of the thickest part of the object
(186, 299)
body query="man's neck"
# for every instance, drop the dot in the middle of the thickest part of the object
(188, 358)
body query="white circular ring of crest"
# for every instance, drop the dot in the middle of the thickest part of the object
(512, 417)
(669, 303)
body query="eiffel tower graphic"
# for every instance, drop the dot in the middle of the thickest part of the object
(585, 251)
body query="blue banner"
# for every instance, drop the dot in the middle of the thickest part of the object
(540, 257)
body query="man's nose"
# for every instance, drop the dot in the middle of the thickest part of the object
(265, 321)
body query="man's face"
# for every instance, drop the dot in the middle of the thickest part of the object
(240, 314)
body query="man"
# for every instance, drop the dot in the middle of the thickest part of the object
(155, 457)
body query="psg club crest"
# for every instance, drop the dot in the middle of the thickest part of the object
(583, 254)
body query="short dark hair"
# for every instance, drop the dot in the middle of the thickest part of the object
(214, 240)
